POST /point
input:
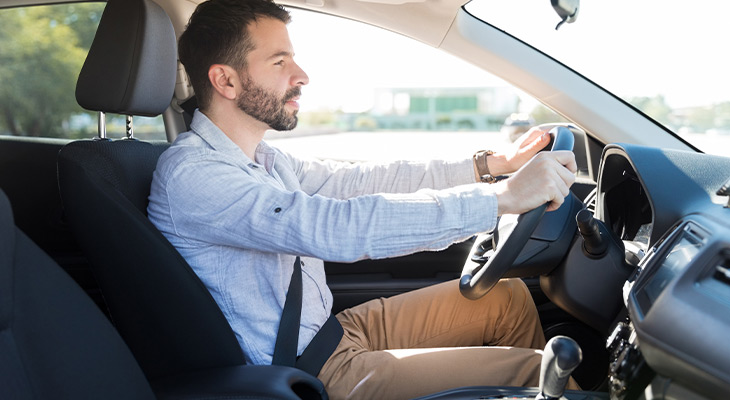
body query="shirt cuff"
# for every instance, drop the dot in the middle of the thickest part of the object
(480, 207)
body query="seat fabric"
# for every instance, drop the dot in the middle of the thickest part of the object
(56, 344)
(54, 341)
(162, 310)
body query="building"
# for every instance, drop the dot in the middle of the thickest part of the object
(478, 108)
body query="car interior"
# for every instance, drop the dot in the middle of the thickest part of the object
(96, 303)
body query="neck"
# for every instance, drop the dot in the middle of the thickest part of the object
(245, 131)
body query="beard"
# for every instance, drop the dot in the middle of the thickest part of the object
(266, 106)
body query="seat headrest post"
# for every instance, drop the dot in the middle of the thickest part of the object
(130, 127)
(102, 125)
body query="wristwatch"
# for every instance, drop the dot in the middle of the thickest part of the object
(480, 162)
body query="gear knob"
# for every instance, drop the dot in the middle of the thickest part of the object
(560, 358)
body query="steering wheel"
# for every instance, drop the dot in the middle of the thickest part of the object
(511, 239)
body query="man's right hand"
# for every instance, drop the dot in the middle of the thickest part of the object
(546, 178)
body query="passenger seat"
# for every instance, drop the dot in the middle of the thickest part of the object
(54, 341)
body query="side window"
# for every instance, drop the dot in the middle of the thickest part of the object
(43, 49)
(376, 95)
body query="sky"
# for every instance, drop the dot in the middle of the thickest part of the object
(631, 47)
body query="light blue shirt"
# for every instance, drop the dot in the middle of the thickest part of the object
(240, 223)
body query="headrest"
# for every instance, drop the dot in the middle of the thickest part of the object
(132, 64)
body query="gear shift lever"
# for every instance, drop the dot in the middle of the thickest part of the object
(561, 356)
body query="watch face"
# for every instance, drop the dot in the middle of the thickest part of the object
(488, 178)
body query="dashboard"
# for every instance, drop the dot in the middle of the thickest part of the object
(672, 341)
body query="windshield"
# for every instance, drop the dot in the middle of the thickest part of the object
(668, 59)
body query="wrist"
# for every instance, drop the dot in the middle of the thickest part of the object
(488, 166)
(498, 165)
(481, 166)
(503, 198)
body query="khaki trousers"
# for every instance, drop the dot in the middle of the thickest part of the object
(433, 339)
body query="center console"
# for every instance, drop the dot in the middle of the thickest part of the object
(675, 333)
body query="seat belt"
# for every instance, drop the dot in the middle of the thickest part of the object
(287, 338)
(322, 345)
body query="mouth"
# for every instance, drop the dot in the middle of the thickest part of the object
(293, 102)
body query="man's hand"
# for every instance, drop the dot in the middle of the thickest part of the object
(523, 149)
(544, 179)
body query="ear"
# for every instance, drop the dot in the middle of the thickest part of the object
(224, 80)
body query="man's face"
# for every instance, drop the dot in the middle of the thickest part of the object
(271, 82)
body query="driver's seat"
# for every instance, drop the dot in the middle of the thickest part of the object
(161, 309)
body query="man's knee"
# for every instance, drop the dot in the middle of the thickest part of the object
(512, 289)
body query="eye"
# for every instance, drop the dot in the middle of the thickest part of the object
(279, 63)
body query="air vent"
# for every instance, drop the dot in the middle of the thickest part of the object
(716, 282)
(725, 191)
(722, 271)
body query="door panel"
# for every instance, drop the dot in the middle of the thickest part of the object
(355, 283)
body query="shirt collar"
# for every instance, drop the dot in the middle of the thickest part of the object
(217, 139)
(208, 131)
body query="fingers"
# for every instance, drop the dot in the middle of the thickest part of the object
(566, 159)
(562, 180)
(564, 169)
(536, 141)
(528, 138)
(561, 191)
(525, 148)
(547, 178)
(563, 177)
(528, 149)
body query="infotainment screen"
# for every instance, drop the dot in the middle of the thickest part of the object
(682, 252)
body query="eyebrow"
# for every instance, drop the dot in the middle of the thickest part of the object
(282, 53)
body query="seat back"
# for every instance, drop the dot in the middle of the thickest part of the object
(162, 310)
(54, 341)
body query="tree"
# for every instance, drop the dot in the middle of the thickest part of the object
(656, 107)
(544, 115)
(722, 115)
(41, 53)
(701, 118)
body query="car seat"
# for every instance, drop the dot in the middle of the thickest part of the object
(54, 341)
(162, 310)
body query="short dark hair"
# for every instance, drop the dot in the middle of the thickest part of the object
(217, 33)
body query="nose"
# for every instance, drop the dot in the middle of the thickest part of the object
(299, 77)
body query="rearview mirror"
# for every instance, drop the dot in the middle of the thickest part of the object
(567, 10)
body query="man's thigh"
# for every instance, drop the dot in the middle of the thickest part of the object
(409, 373)
(439, 316)
(433, 339)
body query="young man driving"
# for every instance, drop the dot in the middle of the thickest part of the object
(240, 212)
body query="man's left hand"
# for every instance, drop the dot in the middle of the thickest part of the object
(522, 150)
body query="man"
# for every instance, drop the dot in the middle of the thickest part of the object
(240, 211)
